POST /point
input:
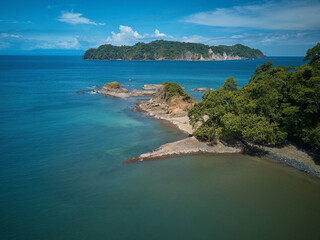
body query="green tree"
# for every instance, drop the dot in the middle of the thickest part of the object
(313, 54)
(277, 103)
(230, 84)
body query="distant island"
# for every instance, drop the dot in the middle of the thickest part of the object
(171, 50)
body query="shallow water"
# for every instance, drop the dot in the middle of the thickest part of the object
(62, 175)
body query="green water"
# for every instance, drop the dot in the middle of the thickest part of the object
(189, 197)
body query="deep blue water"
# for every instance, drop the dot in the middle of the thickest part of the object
(61, 154)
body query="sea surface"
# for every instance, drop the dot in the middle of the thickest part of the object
(61, 160)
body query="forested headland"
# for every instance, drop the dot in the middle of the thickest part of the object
(278, 103)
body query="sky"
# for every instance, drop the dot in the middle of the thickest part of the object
(55, 27)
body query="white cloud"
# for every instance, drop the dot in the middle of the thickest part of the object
(124, 37)
(285, 15)
(158, 34)
(196, 39)
(6, 35)
(127, 36)
(76, 18)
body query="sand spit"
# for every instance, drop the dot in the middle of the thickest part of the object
(189, 145)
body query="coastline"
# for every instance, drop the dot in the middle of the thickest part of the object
(176, 114)
(171, 60)
(289, 154)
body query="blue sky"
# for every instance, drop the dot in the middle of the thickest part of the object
(278, 28)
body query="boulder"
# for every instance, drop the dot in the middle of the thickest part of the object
(202, 89)
(152, 86)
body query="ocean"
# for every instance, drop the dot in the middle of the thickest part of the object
(61, 160)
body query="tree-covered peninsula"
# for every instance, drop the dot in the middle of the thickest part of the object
(170, 50)
(278, 103)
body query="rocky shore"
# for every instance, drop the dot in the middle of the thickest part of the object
(114, 89)
(175, 112)
(289, 154)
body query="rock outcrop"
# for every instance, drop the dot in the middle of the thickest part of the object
(152, 86)
(174, 111)
(202, 89)
(114, 89)
(223, 57)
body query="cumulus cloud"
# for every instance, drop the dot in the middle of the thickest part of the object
(285, 15)
(76, 18)
(158, 34)
(197, 39)
(127, 36)
(124, 37)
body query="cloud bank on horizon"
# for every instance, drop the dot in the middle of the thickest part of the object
(286, 28)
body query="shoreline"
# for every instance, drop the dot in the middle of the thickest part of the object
(289, 155)
(176, 114)
(171, 60)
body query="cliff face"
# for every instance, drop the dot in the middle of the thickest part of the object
(176, 106)
(189, 56)
(169, 50)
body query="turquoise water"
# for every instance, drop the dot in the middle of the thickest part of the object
(61, 154)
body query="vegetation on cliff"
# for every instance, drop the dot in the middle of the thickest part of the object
(175, 90)
(278, 103)
(114, 84)
(169, 50)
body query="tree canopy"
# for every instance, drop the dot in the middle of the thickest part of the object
(174, 89)
(278, 103)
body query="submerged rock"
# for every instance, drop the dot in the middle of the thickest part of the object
(115, 89)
